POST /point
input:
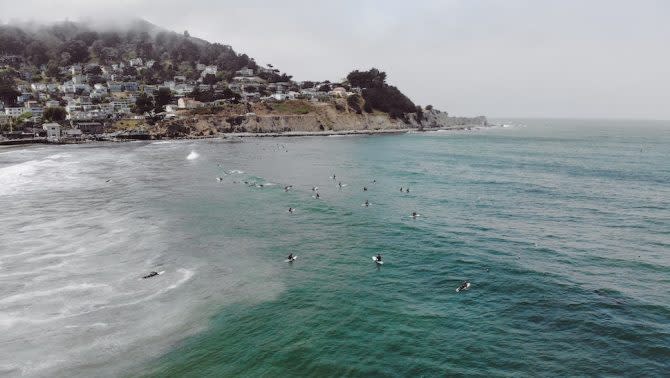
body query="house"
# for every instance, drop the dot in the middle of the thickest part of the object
(131, 86)
(53, 131)
(38, 87)
(14, 112)
(91, 127)
(188, 103)
(115, 87)
(245, 72)
(23, 97)
(137, 62)
(75, 70)
(279, 96)
(73, 134)
(30, 104)
(52, 104)
(79, 79)
(210, 70)
(35, 110)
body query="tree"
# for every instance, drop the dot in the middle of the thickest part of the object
(53, 70)
(210, 79)
(372, 78)
(419, 113)
(429, 107)
(54, 114)
(77, 50)
(186, 34)
(8, 92)
(162, 97)
(37, 53)
(129, 71)
(93, 70)
(143, 104)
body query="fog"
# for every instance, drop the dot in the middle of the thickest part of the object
(596, 59)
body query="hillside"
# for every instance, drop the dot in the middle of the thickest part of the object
(67, 43)
(138, 75)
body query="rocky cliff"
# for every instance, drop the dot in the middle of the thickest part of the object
(300, 116)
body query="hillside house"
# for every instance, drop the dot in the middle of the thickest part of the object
(53, 131)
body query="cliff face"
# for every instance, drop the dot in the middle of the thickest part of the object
(298, 116)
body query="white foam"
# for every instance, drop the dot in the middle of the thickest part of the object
(193, 155)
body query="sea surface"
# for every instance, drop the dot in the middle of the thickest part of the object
(561, 226)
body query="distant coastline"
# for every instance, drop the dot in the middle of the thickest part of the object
(239, 135)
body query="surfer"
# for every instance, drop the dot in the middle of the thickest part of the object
(365, 188)
(333, 176)
(407, 190)
(414, 214)
(339, 184)
(463, 286)
(315, 188)
(367, 203)
(374, 181)
(152, 274)
(401, 189)
(288, 187)
(379, 257)
(290, 257)
(291, 210)
(317, 195)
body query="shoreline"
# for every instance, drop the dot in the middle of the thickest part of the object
(226, 136)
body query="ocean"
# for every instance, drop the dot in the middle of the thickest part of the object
(562, 227)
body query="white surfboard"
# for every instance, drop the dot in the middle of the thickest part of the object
(374, 258)
(467, 286)
(292, 260)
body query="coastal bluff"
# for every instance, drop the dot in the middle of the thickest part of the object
(299, 116)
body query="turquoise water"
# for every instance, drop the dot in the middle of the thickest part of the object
(562, 227)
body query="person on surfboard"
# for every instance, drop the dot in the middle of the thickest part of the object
(290, 257)
(379, 257)
(152, 274)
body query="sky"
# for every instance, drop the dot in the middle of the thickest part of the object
(506, 58)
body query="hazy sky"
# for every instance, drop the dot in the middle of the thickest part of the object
(608, 59)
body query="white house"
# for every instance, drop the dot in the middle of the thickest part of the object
(137, 62)
(279, 96)
(52, 104)
(209, 70)
(188, 103)
(14, 112)
(79, 79)
(245, 72)
(75, 69)
(53, 131)
(38, 87)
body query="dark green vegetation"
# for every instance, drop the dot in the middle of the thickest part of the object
(380, 96)
(47, 53)
(66, 43)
